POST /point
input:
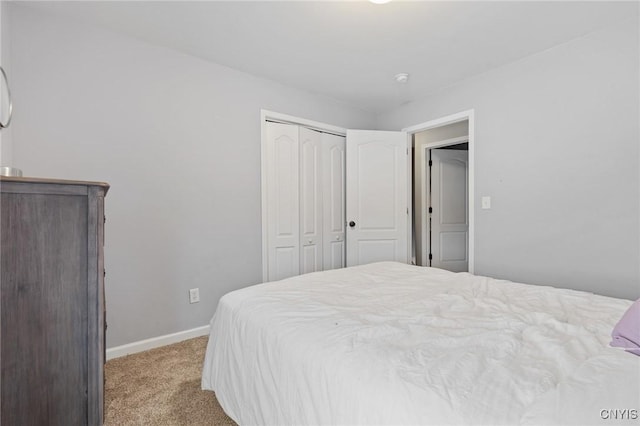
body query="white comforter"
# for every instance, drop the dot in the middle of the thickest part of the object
(389, 343)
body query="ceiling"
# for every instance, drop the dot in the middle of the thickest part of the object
(351, 50)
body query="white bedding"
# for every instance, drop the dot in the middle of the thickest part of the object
(389, 343)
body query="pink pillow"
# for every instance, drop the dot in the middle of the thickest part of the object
(626, 333)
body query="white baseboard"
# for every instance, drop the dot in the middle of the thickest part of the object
(156, 342)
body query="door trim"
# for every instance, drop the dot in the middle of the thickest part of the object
(467, 115)
(266, 115)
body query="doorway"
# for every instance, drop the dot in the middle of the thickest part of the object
(442, 193)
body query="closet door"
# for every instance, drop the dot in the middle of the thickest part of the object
(283, 201)
(310, 201)
(333, 167)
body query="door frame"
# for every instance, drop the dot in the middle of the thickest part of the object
(266, 115)
(467, 115)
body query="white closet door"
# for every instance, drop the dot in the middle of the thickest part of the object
(333, 166)
(283, 201)
(377, 203)
(310, 201)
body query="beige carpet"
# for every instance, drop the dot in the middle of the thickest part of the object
(161, 387)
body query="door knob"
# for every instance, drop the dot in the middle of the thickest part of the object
(352, 224)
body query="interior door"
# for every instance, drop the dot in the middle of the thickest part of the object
(310, 201)
(377, 202)
(448, 202)
(333, 175)
(283, 201)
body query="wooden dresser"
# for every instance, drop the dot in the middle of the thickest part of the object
(52, 310)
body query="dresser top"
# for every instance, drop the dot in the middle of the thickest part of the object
(103, 185)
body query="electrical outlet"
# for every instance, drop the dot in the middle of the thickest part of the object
(194, 295)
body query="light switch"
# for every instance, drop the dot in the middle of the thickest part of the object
(486, 202)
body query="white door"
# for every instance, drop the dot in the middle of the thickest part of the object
(310, 201)
(283, 201)
(377, 202)
(333, 166)
(449, 217)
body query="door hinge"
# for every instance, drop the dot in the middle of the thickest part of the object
(430, 256)
(430, 209)
(430, 163)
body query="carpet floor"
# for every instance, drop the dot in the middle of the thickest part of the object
(161, 387)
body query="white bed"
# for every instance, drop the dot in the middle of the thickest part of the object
(389, 343)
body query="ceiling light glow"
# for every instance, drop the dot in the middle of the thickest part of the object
(379, 1)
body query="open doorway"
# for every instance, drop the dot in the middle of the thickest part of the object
(442, 190)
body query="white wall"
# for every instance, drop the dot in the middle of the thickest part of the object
(177, 138)
(556, 139)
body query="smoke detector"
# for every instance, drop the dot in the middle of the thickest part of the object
(402, 78)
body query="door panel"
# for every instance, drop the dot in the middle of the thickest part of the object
(283, 201)
(336, 255)
(284, 263)
(310, 201)
(453, 246)
(453, 181)
(377, 250)
(450, 219)
(377, 182)
(333, 166)
(377, 185)
(309, 259)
